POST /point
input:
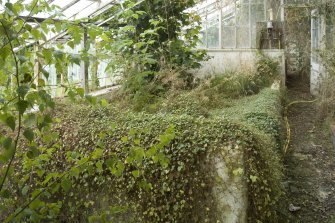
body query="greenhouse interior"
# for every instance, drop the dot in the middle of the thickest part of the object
(191, 111)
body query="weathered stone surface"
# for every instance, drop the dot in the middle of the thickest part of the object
(332, 127)
(231, 191)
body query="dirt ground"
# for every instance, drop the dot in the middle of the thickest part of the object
(310, 161)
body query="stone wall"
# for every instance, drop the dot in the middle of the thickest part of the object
(230, 191)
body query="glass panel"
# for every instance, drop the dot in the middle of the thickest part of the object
(228, 15)
(228, 3)
(257, 13)
(74, 73)
(243, 37)
(213, 33)
(202, 37)
(228, 37)
(257, 2)
(70, 7)
(212, 8)
(243, 14)
(76, 8)
(60, 3)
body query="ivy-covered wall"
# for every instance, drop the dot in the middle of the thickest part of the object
(223, 168)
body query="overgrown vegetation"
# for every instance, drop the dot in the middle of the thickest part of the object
(26, 196)
(95, 162)
(327, 92)
(259, 115)
(181, 92)
(163, 180)
(152, 42)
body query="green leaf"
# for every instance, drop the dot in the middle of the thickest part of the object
(139, 154)
(97, 153)
(10, 8)
(124, 139)
(238, 171)
(71, 44)
(75, 59)
(47, 119)
(118, 170)
(66, 184)
(110, 162)
(22, 90)
(104, 103)
(36, 34)
(25, 190)
(80, 92)
(104, 37)
(10, 122)
(47, 54)
(151, 152)
(22, 58)
(99, 166)
(5, 52)
(37, 203)
(7, 143)
(41, 82)
(30, 119)
(253, 178)
(135, 173)
(55, 189)
(58, 26)
(71, 95)
(29, 134)
(5, 193)
(92, 100)
(45, 73)
(22, 106)
(49, 177)
(6, 155)
(75, 172)
(93, 33)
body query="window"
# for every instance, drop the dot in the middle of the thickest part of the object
(212, 29)
(231, 23)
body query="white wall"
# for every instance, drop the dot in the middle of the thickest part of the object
(318, 32)
(237, 59)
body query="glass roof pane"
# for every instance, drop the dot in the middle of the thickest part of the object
(73, 9)
(60, 3)
(76, 8)
(92, 8)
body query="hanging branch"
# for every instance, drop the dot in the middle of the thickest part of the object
(20, 99)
